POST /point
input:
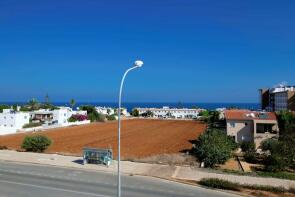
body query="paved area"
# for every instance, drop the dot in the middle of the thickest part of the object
(32, 180)
(133, 168)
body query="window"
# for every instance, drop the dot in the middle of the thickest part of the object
(233, 125)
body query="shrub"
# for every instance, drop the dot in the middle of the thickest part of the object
(219, 184)
(275, 163)
(3, 148)
(36, 143)
(77, 117)
(214, 147)
(247, 146)
(250, 157)
(135, 112)
(223, 184)
(269, 145)
(32, 124)
(111, 117)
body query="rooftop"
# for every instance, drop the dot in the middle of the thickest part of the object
(249, 115)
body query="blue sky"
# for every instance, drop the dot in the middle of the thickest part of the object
(194, 51)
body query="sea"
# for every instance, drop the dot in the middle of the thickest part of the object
(131, 105)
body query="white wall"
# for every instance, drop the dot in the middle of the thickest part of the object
(11, 121)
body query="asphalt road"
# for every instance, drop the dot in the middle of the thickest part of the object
(28, 180)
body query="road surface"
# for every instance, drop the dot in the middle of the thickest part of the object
(28, 180)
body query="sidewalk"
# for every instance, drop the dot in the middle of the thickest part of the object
(162, 171)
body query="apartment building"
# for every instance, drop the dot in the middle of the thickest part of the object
(167, 112)
(11, 121)
(252, 126)
(278, 98)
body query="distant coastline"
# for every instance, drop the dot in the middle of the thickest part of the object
(131, 105)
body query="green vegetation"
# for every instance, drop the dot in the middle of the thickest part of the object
(228, 185)
(219, 184)
(4, 107)
(111, 117)
(247, 146)
(282, 150)
(72, 103)
(214, 147)
(280, 175)
(92, 114)
(36, 143)
(31, 125)
(135, 113)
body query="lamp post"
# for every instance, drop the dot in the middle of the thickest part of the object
(137, 64)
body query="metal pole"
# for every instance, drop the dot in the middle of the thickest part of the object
(119, 131)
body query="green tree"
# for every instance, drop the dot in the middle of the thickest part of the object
(135, 112)
(92, 114)
(149, 113)
(72, 103)
(214, 147)
(34, 104)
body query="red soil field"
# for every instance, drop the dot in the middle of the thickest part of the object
(139, 138)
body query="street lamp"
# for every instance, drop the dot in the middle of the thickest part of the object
(137, 64)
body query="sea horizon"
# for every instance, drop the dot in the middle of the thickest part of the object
(131, 105)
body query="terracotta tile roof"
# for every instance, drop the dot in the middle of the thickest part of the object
(249, 115)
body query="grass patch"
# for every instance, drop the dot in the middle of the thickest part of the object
(32, 124)
(279, 175)
(219, 184)
(227, 185)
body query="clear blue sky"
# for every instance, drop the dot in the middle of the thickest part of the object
(194, 51)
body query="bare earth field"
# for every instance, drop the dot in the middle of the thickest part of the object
(139, 138)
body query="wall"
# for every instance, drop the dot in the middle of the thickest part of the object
(242, 131)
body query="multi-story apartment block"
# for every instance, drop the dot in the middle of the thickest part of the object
(278, 98)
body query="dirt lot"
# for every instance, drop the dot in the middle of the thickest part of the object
(139, 138)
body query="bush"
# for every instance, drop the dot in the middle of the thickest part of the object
(223, 184)
(77, 117)
(111, 117)
(247, 146)
(36, 143)
(219, 184)
(3, 148)
(32, 124)
(275, 163)
(214, 147)
(250, 157)
(135, 112)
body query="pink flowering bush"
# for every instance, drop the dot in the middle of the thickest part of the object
(77, 117)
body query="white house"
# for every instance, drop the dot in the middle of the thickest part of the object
(11, 121)
(167, 112)
(58, 116)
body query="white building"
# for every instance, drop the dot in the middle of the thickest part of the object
(167, 112)
(58, 116)
(105, 110)
(12, 121)
(111, 111)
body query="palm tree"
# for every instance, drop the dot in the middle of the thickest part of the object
(34, 104)
(72, 102)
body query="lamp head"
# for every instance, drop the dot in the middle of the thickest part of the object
(138, 63)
